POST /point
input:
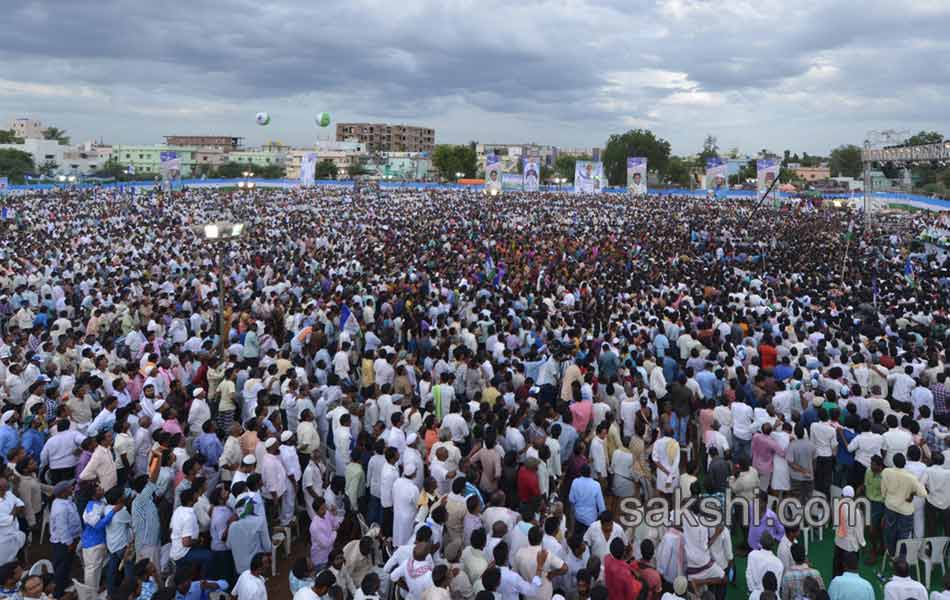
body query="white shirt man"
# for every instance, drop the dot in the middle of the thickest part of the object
(341, 364)
(901, 386)
(904, 588)
(405, 495)
(598, 454)
(513, 584)
(250, 587)
(938, 486)
(666, 455)
(456, 424)
(598, 544)
(759, 562)
(628, 415)
(825, 437)
(198, 414)
(525, 563)
(896, 441)
(417, 575)
(387, 479)
(184, 524)
(743, 418)
(865, 445)
(699, 560)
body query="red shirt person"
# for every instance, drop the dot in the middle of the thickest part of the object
(529, 486)
(620, 576)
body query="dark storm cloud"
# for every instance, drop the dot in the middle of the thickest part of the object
(602, 63)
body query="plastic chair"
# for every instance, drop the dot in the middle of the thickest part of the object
(287, 530)
(362, 522)
(911, 550)
(84, 592)
(39, 566)
(276, 540)
(936, 556)
(45, 524)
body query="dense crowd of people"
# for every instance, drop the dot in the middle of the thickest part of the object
(439, 394)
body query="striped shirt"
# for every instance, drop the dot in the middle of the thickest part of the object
(145, 520)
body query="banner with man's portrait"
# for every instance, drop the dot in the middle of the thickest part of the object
(532, 175)
(589, 177)
(493, 173)
(717, 175)
(637, 175)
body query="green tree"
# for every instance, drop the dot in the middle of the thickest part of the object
(924, 137)
(710, 150)
(55, 133)
(204, 170)
(746, 172)
(846, 161)
(546, 172)
(326, 169)
(449, 159)
(636, 142)
(15, 164)
(270, 171)
(234, 170)
(676, 171)
(9, 137)
(789, 176)
(359, 169)
(47, 168)
(564, 166)
(110, 169)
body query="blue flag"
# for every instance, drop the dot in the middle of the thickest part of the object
(348, 321)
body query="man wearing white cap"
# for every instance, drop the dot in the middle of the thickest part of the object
(413, 456)
(680, 585)
(198, 413)
(405, 498)
(291, 463)
(849, 529)
(274, 478)
(248, 464)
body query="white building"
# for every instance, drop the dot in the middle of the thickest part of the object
(85, 158)
(71, 160)
(41, 150)
(27, 128)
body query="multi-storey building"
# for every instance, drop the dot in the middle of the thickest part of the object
(382, 137)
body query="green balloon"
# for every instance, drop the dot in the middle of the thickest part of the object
(323, 119)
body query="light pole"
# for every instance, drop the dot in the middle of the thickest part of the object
(221, 233)
(458, 175)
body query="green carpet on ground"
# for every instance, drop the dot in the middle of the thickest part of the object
(821, 555)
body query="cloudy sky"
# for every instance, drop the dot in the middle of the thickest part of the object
(800, 74)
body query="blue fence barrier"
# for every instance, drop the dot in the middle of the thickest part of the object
(894, 197)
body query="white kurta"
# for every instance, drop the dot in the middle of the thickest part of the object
(781, 476)
(405, 497)
(341, 439)
(662, 451)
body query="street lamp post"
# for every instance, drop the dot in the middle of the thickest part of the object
(222, 233)
(458, 175)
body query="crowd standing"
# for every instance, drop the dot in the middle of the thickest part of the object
(447, 395)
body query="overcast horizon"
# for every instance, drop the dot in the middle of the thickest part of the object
(805, 76)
